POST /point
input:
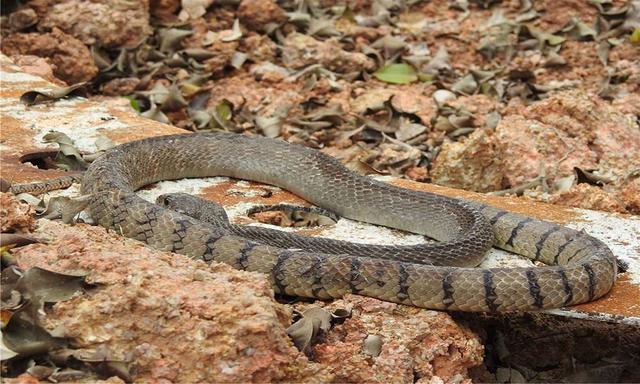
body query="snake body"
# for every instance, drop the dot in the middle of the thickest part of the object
(437, 275)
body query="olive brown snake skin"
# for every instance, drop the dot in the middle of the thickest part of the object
(433, 275)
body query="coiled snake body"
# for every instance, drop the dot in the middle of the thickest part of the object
(437, 276)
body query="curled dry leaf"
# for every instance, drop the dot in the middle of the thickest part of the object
(467, 85)
(56, 207)
(69, 157)
(42, 96)
(50, 287)
(234, 34)
(12, 240)
(170, 39)
(313, 322)
(154, 113)
(23, 333)
(270, 126)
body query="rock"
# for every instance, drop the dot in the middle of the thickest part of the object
(120, 87)
(300, 50)
(107, 23)
(551, 137)
(610, 136)
(38, 66)
(164, 10)
(257, 14)
(70, 58)
(529, 147)
(15, 216)
(588, 197)
(418, 173)
(174, 319)
(23, 19)
(475, 163)
(417, 344)
(630, 195)
(441, 96)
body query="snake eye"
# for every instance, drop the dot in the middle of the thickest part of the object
(164, 200)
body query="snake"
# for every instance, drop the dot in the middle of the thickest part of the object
(570, 266)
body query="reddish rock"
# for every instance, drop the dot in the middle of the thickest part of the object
(120, 86)
(531, 147)
(417, 344)
(300, 50)
(588, 197)
(256, 14)
(174, 319)
(164, 10)
(550, 138)
(70, 58)
(611, 137)
(107, 23)
(475, 163)
(14, 215)
(38, 66)
(630, 195)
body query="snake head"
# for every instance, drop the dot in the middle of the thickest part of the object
(194, 206)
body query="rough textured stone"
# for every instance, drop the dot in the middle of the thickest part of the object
(70, 58)
(38, 66)
(256, 14)
(107, 23)
(164, 10)
(588, 197)
(175, 319)
(551, 138)
(300, 50)
(427, 346)
(475, 163)
(120, 86)
(14, 215)
(530, 148)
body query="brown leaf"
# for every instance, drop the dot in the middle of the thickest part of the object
(38, 97)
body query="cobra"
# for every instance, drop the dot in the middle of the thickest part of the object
(440, 275)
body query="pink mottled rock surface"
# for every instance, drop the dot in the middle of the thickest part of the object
(257, 14)
(38, 66)
(427, 346)
(107, 23)
(475, 163)
(550, 138)
(300, 50)
(14, 215)
(69, 57)
(174, 319)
